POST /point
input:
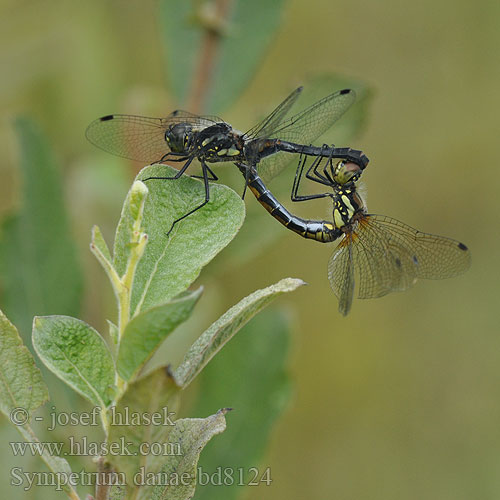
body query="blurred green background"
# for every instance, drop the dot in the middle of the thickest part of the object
(400, 399)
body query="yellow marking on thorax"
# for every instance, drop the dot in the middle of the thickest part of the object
(337, 218)
(348, 205)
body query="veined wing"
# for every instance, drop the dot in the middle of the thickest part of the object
(272, 121)
(304, 128)
(388, 256)
(437, 257)
(341, 274)
(138, 137)
(197, 121)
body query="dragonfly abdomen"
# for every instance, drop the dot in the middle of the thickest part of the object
(322, 231)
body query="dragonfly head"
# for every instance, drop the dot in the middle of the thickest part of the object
(179, 137)
(346, 171)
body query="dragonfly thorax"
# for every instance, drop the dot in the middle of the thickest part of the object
(218, 143)
(346, 204)
(179, 137)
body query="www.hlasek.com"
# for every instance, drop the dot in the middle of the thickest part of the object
(84, 447)
(222, 476)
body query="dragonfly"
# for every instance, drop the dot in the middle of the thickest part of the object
(384, 254)
(264, 150)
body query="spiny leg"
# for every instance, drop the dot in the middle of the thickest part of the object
(176, 176)
(313, 173)
(207, 197)
(247, 177)
(212, 178)
(296, 183)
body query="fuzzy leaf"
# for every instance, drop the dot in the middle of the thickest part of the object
(146, 331)
(170, 264)
(77, 354)
(193, 434)
(23, 390)
(157, 393)
(220, 332)
(21, 384)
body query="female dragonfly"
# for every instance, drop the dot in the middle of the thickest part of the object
(385, 254)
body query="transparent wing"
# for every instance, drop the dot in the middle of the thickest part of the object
(437, 257)
(138, 137)
(197, 121)
(388, 256)
(383, 262)
(341, 274)
(272, 121)
(304, 128)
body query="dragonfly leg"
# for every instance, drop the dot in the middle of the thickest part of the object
(212, 178)
(296, 183)
(207, 197)
(176, 176)
(175, 157)
(242, 166)
(313, 173)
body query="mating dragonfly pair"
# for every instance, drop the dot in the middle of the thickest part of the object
(386, 254)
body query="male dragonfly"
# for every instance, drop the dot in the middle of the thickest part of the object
(385, 254)
(184, 137)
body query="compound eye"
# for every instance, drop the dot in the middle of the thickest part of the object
(346, 171)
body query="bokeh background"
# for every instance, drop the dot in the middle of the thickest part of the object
(400, 399)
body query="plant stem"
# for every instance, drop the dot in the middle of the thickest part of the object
(138, 245)
(102, 490)
(206, 62)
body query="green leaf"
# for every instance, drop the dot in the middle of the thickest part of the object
(100, 244)
(170, 264)
(22, 391)
(56, 464)
(146, 331)
(157, 393)
(244, 33)
(220, 332)
(129, 225)
(251, 28)
(38, 264)
(193, 434)
(77, 354)
(21, 384)
(181, 39)
(250, 369)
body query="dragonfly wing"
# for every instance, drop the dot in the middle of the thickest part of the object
(138, 137)
(304, 128)
(134, 137)
(341, 274)
(197, 121)
(436, 257)
(272, 121)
